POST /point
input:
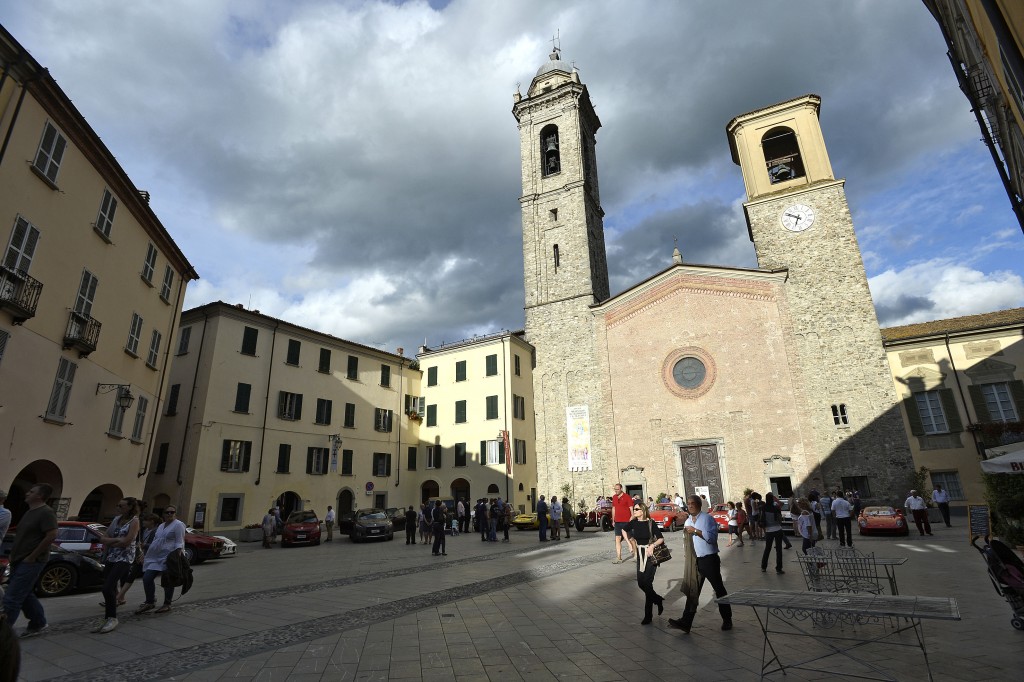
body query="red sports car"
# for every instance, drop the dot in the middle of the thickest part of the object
(882, 521)
(668, 516)
(720, 513)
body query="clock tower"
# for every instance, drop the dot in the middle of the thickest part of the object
(799, 221)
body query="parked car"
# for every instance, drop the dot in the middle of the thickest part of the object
(397, 517)
(199, 547)
(720, 513)
(882, 521)
(229, 548)
(371, 524)
(65, 571)
(301, 528)
(80, 536)
(528, 521)
(668, 516)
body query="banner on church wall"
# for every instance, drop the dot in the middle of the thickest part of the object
(577, 419)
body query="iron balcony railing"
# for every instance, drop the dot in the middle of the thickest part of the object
(19, 293)
(83, 333)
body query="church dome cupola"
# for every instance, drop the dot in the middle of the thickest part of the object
(555, 63)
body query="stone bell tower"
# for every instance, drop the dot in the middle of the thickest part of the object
(565, 270)
(799, 220)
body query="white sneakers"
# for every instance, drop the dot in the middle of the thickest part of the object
(108, 626)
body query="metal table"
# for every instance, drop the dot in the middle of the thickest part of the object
(889, 564)
(841, 623)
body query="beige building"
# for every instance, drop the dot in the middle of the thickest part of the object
(961, 386)
(478, 428)
(986, 49)
(772, 378)
(262, 412)
(91, 286)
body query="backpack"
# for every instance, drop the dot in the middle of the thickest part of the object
(178, 572)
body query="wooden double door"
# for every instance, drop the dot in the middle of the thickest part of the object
(701, 469)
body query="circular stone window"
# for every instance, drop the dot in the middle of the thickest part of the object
(688, 372)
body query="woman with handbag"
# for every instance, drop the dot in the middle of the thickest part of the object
(149, 522)
(121, 545)
(169, 537)
(647, 536)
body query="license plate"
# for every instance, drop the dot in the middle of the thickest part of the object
(300, 536)
(374, 531)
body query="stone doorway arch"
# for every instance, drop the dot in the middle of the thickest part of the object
(288, 501)
(346, 501)
(429, 489)
(100, 504)
(39, 471)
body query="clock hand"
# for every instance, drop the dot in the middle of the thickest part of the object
(798, 217)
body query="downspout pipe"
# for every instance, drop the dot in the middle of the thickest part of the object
(266, 407)
(402, 415)
(192, 398)
(505, 392)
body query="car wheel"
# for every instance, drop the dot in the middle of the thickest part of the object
(190, 554)
(317, 541)
(57, 579)
(675, 525)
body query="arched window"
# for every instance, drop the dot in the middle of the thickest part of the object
(782, 155)
(551, 162)
(492, 489)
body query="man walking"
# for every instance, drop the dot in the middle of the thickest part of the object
(437, 517)
(622, 512)
(939, 497)
(825, 504)
(329, 523)
(542, 518)
(411, 518)
(841, 510)
(37, 529)
(919, 508)
(704, 531)
(460, 511)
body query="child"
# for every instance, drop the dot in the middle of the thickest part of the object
(734, 527)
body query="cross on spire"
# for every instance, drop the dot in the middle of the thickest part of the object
(556, 42)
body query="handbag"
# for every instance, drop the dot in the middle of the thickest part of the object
(661, 553)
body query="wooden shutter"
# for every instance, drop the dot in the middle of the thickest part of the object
(225, 455)
(309, 460)
(411, 459)
(913, 416)
(437, 456)
(949, 406)
(483, 452)
(246, 454)
(284, 455)
(978, 400)
(298, 407)
(501, 451)
(387, 464)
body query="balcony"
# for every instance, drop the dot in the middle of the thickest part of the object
(19, 294)
(83, 333)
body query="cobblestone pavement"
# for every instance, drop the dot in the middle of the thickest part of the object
(487, 611)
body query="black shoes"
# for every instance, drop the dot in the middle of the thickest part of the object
(678, 625)
(646, 621)
(764, 569)
(727, 625)
(780, 571)
(661, 606)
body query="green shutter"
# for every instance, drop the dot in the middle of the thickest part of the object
(412, 459)
(298, 407)
(1017, 393)
(501, 451)
(437, 456)
(483, 452)
(387, 460)
(246, 454)
(913, 416)
(978, 400)
(309, 460)
(949, 406)
(225, 455)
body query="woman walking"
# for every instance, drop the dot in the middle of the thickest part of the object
(120, 541)
(805, 524)
(169, 537)
(149, 523)
(771, 514)
(647, 535)
(734, 524)
(269, 528)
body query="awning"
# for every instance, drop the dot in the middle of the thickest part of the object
(1005, 459)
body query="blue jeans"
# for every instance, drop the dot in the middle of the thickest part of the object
(20, 596)
(493, 534)
(149, 586)
(544, 527)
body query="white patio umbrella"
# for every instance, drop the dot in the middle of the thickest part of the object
(1006, 459)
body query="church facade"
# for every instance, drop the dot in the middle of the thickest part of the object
(703, 378)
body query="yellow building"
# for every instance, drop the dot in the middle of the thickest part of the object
(986, 48)
(91, 286)
(478, 430)
(962, 389)
(262, 412)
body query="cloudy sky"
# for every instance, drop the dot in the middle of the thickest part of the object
(354, 166)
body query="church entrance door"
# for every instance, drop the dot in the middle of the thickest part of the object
(700, 469)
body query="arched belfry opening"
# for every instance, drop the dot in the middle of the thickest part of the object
(549, 150)
(782, 155)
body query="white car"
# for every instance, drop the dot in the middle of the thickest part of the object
(230, 548)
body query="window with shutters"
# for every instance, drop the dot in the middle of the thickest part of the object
(172, 400)
(294, 348)
(929, 408)
(950, 482)
(382, 464)
(289, 406)
(492, 407)
(284, 458)
(460, 370)
(141, 405)
(492, 365)
(154, 350)
(414, 405)
(352, 371)
(350, 416)
(249, 337)
(385, 376)
(433, 456)
(86, 294)
(56, 408)
(105, 218)
(998, 402)
(460, 454)
(161, 458)
(4, 337)
(323, 411)
(325, 361)
(134, 334)
(236, 455)
(22, 247)
(382, 420)
(184, 337)
(431, 376)
(346, 462)
(316, 461)
(431, 415)
(460, 411)
(492, 452)
(518, 407)
(520, 448)
(839, 415)
(242, 393)
(50, 154)
(517, 366)
(116, 417)
(149, 265)
(411, 458)
(167, 285)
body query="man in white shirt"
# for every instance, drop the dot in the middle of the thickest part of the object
(941, 498)
(329, 519)
(841, 509)
(704, 531)
(460, 512)
(919, 508)
(679, 501)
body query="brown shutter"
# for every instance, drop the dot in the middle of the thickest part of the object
(913, 416)
(949, 406)
(978, 400)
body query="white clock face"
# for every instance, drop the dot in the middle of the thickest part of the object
(797, 218)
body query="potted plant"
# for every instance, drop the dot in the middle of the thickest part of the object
(251, 533)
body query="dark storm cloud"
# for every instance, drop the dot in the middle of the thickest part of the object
(902, 308)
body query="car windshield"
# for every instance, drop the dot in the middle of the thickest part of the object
(302, 517)
(372, 514)
(663, 507)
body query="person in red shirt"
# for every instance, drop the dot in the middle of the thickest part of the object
(622, 513)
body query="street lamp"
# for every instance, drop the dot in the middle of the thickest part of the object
(124, 394)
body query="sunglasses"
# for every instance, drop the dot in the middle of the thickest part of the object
(638, 508)
(170, 511)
